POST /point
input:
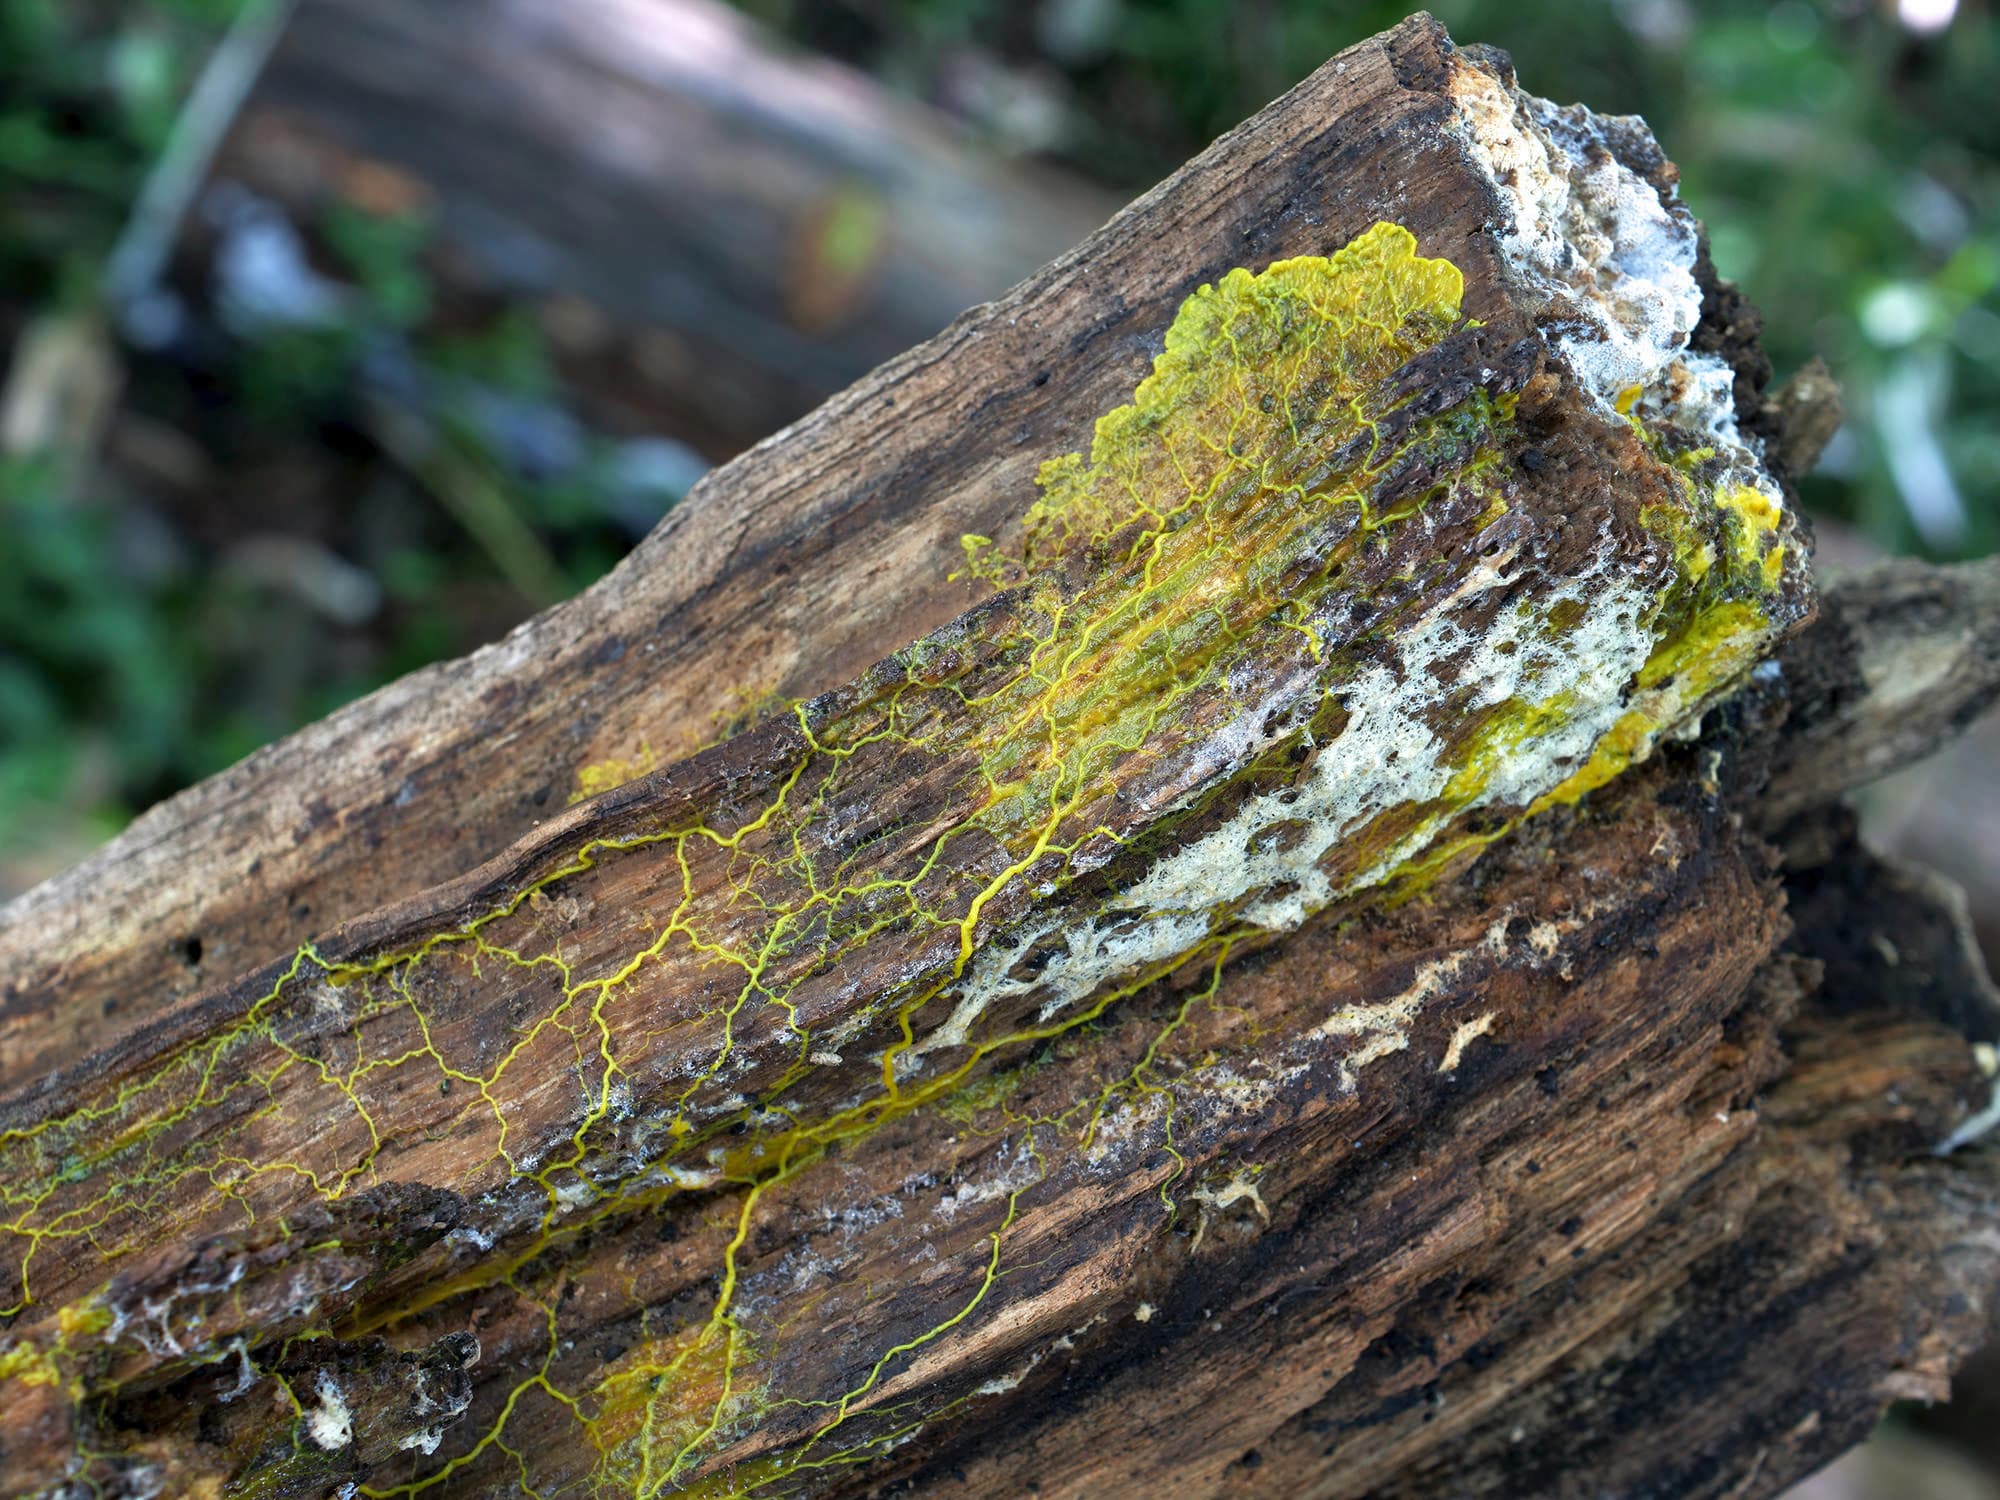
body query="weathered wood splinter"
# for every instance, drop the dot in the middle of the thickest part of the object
(1276, 980)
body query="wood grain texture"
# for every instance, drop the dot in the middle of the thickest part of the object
(789, 571)
(1579, 1167)
(1925, 664)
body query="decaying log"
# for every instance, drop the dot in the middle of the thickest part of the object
(1254, 957)
(713, 236)
(1923, 663)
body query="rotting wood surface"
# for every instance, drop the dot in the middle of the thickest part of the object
(905, 1090)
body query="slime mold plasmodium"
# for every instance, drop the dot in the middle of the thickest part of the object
(1298, 632)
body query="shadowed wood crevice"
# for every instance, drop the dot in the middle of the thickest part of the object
(1273, 984)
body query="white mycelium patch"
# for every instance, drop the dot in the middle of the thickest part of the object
(1587, 232)
(1267, 861)
(330, 1424)
(1466, 1033)
(1212, 1199)
(1023, 1170)
(1612, 261)
(1612, 264)
(1388, 755)
(1375, 1030)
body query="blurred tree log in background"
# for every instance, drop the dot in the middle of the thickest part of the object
(370, 1118)
(713, 237)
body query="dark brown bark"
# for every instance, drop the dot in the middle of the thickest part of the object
(1602, 1162)
(786, 573)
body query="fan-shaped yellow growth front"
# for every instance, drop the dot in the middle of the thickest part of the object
(1255, 368)
(1297, 631)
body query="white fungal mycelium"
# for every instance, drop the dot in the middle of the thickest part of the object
(329, 1423)
(1610, 258)
(1463, 1036)
(1606, 260)
(1387, 756)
